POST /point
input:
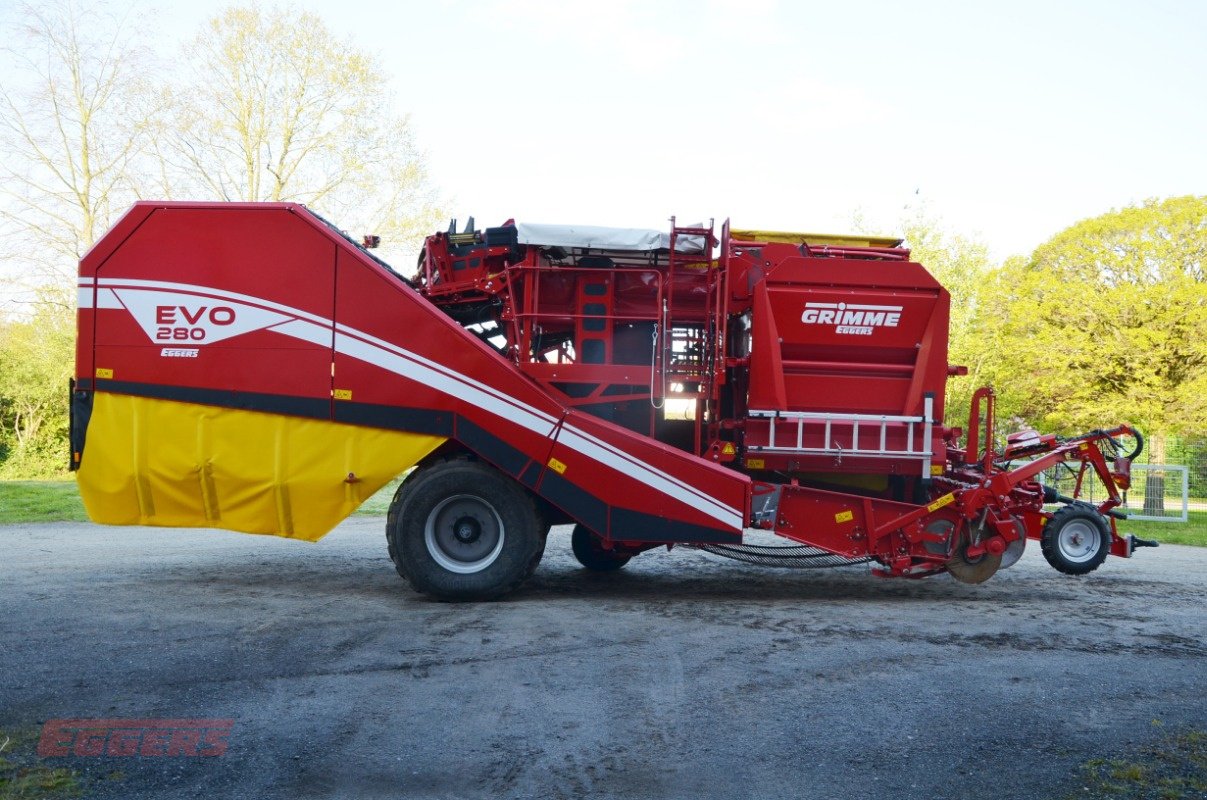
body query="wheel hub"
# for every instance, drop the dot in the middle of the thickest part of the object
(1078, 541)
(464, 534)
(977, 569)
(467, 530)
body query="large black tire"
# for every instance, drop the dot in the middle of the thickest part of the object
(1076, 539)
(460, 530)
(590, 552)
(400, 495)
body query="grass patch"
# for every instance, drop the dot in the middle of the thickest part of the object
(59, 501)
(23, 777)
(40, 501)
(379, 503)
(1172, 768)
(1192, 532)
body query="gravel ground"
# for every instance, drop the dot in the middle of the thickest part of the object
(682, 676)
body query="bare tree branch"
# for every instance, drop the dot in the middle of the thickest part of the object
(278, 108)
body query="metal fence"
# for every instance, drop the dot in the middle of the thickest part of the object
(1159, 492)
(1192, 454)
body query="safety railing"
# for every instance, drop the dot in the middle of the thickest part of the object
(788, 432)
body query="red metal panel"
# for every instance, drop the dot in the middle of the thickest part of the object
(270, 301)
(263, 251)
(395, 349)
(216, 296)
(848, 336)
(640, 473)
(847, 524)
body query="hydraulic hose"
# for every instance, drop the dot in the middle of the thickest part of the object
(1133, 455)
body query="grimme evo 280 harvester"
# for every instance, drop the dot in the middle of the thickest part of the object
(248, 366)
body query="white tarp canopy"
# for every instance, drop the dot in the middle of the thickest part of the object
(595, 237)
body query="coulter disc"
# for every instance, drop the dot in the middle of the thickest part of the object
(978, 570)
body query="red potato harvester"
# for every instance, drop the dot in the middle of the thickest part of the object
(248, 366)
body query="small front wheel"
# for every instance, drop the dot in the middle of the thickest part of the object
(1076, 539)
(460, 530)
(590, 552)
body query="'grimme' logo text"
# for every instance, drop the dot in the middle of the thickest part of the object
(851, 318)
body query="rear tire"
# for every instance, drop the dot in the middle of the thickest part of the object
(460, 530)
(590, 552)
(1076, 539)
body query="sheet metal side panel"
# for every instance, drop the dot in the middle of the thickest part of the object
(162, 324)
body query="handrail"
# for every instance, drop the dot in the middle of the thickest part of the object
(798, 419)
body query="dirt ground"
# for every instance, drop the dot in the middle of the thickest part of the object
(682, 676)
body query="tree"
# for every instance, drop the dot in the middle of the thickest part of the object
(1107, 323)
(73, 126)
(277, 108)
(1107, 320)
(36, 356)
(960, 263)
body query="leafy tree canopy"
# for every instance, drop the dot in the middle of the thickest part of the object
(1105, 323)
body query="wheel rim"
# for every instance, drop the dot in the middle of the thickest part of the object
(464, 534)
(1079, 541)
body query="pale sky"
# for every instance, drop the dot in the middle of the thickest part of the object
(1010, 121)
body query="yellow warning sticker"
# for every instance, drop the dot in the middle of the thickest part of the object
(755, 463)
(557, 466)
(342, 394)
(844, 516)
(945, 500)
(104, 373)
(727, 450)
(937, 469)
